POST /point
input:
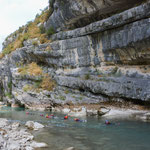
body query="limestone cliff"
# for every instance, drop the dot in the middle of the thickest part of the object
(99, 53)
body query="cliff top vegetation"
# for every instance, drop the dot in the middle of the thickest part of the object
(33, 29)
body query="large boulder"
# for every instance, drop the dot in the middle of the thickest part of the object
(102, 111)
(34, 125)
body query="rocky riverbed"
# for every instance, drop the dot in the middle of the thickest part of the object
(16, 137)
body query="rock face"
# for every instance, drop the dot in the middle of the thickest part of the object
(103, 56)
(77, 13)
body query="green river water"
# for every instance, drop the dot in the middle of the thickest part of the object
(123, 134)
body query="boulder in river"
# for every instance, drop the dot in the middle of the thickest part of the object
(33, 125)
(102, 111)
(142, 116)
(78, 112)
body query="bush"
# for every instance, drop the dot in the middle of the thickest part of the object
(10, 85)
(20, 30)
(7, 50)
(9, 95)
(37, 84)
(50, 31)
(31, 69)
(66, 92)
(27, 88)
(62, 97)
(43, 39)
(47, 83)
(42, 29)
(35, 43)
(25, 37)
(1, 55)
(87, 77)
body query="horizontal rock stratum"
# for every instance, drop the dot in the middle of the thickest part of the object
(77, 13)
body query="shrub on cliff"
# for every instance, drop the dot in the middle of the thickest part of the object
(42, 29)
(46, 83)
(35, 43)
(32, 69)
(50, 31)
(87, 77)
(1, 55)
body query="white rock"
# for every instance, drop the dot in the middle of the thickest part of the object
(70, 148)
(29, 148)
(13, 146)
(3, 122)
(91, 112)
(38, 126)
(144, 116)
(78, 112)
(15, 125)
(103, 111)
(33, 125)
(66, 110)
(38, 145)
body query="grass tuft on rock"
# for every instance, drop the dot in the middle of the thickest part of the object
(46, 83)
(31, 69)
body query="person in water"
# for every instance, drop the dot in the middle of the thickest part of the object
(107, 122)
(78, 120)
(66, 117)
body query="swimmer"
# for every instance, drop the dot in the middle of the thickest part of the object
(47, 116)
(27, 113)
(78, 120)
(66, 117)
(107, 122)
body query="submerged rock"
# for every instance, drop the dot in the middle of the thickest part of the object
(70, 148)
(143, 116)
(38, 145)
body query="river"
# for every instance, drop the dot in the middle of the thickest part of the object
(122, 134)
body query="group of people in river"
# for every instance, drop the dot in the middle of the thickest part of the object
(52, 116)
(66, 117)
